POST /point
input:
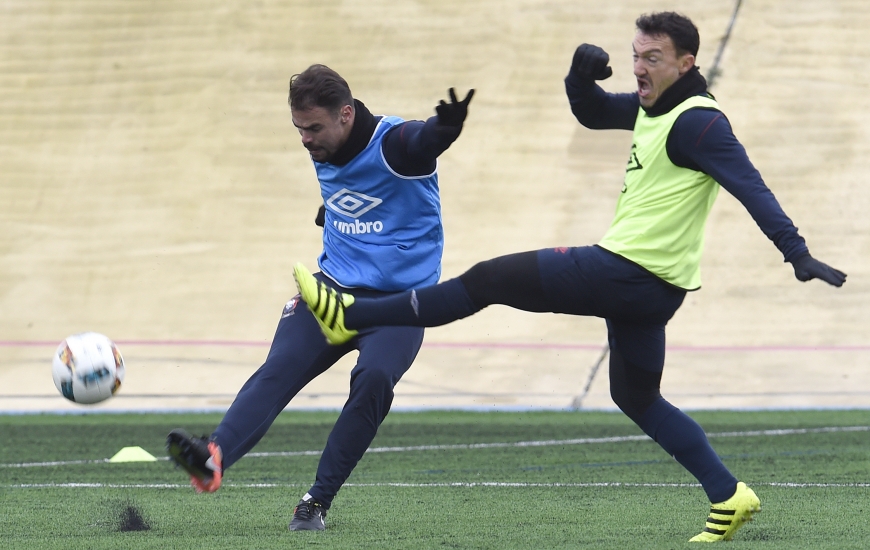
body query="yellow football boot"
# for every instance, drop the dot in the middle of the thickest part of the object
(327, 305)
(727, 517)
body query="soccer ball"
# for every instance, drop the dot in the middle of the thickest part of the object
(87, 368)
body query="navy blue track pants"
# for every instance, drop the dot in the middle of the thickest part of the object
(636, 306)
(299, 353)
(589, 281)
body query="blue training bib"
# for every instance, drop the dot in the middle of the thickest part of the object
(382, 230)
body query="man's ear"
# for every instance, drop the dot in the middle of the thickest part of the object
(686, 63)
(346, 114)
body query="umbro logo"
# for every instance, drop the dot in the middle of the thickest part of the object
(352, 204)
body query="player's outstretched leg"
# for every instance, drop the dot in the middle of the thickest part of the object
(199, 457)
(727, 517)
(309, 515)
(327, 305)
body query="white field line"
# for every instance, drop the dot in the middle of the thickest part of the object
(55, 463)
(460, 485)
(515, 444)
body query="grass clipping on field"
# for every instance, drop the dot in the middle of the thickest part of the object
(130, 518)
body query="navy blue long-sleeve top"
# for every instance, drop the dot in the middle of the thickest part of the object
(410, 149)
(701, 139)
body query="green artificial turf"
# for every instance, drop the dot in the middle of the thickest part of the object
(436, 479)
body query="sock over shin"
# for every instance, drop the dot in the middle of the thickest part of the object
(685, 440)
(431, 306)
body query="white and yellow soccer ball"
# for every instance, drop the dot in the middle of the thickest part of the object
(87, 368)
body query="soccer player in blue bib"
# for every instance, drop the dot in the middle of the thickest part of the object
(636, 277)
(382, 234)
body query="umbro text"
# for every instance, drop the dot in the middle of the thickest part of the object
(358, 228)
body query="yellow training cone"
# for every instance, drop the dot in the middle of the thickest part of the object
(133, 454)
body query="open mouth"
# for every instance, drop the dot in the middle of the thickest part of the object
(643, 87)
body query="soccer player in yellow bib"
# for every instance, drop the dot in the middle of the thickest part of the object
(638, 274)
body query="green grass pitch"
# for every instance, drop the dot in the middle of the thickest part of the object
(436, 479)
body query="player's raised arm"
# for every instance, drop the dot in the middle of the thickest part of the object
(592, 106)
(412, 148)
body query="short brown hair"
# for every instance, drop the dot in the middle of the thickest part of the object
(679, 28)
(319, 86)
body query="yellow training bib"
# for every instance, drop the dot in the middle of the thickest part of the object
(663, 208)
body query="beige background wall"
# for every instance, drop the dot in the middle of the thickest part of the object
(154, 189)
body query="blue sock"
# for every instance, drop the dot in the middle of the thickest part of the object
(431, 306)
(682, 438)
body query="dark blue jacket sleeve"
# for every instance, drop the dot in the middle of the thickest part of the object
(702, 139)
(599, 110)
(411, 148)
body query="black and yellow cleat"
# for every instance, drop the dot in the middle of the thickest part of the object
(327, 305)
(727, 517)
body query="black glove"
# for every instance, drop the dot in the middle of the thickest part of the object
(806, 268)
(591, 62)
(320, 220)
(453, 113)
